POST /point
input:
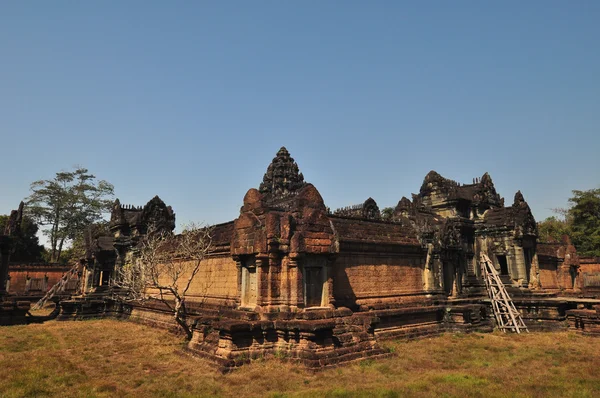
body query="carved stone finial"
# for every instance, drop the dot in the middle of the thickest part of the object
(486, 180)
(434, 181)
(404, 203)
(282, 177)
(370, 210)
(404, 207)
(117, 216)
(519, 199)
(158, 215)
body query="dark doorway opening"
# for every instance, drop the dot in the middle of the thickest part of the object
(528, 254)
(313, 283)
(573, 273)
(448, 277)
(503, 264)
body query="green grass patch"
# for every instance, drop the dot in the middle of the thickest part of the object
(104, 358)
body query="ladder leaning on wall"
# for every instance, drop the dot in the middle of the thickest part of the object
(507, 316)
(57, 288)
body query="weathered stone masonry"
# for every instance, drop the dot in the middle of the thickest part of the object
(290, 276)
(12, 310)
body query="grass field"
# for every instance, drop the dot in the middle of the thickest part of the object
(106, 358)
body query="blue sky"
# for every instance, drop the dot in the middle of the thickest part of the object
(191, 100)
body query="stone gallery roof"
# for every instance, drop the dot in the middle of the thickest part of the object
(517, 216)
(291, 213)
(222, 234)
(367, 210)
(155, 213)
(353, 230)
(482, 189)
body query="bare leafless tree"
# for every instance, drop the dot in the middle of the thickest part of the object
(164, 268)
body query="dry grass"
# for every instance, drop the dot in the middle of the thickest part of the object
(111, 358)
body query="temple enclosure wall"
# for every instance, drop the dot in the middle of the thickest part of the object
(374, 278)
(36, 279)
(589, 275)
(216, 281)
(289, 275)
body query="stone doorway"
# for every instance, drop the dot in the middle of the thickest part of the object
(315, 277)
(249, 285)
(313, 287)
(528, 257)
(448, 277)
(573, 274)
(503, 264)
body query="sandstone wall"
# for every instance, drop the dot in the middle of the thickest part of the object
(548, 275)
(589, 275)
(216, 280)
(214, 284)
(369, 279)
(589, 264)
(559, 266)
(41, 278)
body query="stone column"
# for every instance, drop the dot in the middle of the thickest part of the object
(438, 271)
(285, 281)
(274, 279)
(238, 266)
(518, 265)
(119, 264)
(534, 272)
(262, 285)
(428, 272)
(330, 299)
(458, 275)
(86, 276)
(296, 291)
(95, 275)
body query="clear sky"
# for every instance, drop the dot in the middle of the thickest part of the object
(192, 100)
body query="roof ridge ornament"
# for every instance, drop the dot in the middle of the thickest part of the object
(283, 177)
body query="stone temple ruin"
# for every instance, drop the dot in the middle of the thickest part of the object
(12, 310)
(289, 276)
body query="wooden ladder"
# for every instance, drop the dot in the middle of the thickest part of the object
(57, 288)
(507, 316)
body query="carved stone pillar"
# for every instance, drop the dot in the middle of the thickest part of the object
(285, 282)
(455, 286)
(330, 299)
(274, 279)
(296, 290)
(438, 274)
(534, 274)
(428, 271)
(89, 275)
(96, 275)
(518, 265)
(238, 265)
(262, 282)
(119, 264)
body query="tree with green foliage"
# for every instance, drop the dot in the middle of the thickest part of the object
(165, 268)
(67, 204)
(553, 228)
(581, 222)
(387, 213)
(77, 249)
(584, 217)
(26, 246)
